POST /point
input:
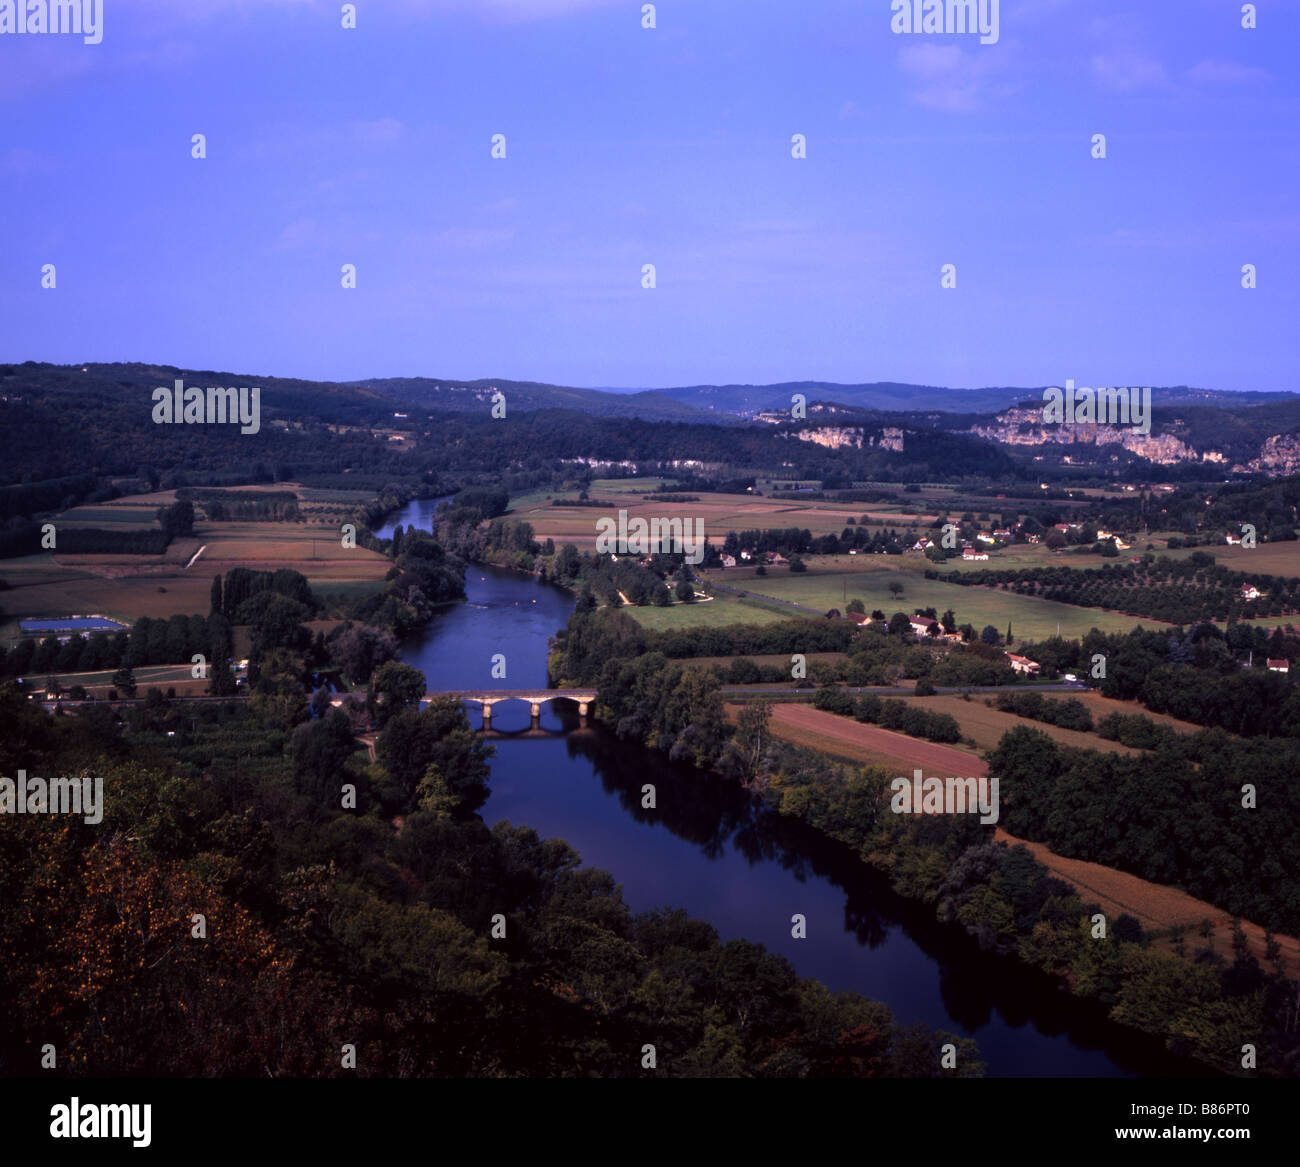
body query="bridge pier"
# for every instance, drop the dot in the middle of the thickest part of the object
(536, 698)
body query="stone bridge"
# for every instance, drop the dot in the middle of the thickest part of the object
(535, 698)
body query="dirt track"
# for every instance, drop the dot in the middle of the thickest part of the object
(1156, 906)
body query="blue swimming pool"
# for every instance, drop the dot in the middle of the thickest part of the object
(72, 624)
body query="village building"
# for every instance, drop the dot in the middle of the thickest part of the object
(1022, 664)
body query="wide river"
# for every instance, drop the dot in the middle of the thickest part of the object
(709, 848)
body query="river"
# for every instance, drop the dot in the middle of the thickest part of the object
(708, 848)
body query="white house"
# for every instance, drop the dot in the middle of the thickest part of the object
(969, 554)
(1279, 666)
(1022, 664)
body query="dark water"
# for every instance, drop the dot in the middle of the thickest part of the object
(709, 849)
(417, 513)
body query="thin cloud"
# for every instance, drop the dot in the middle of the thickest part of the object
(1226, 73)
(1125, 69)
(946, 78)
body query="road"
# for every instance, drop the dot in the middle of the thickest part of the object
(899, 690)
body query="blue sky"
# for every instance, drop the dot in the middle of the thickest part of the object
(670, 146)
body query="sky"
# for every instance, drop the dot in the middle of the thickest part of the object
(672, 146)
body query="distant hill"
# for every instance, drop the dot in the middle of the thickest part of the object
(896, 397)
(526, 396)
(727, 402)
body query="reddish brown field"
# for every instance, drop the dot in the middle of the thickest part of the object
(871, 745)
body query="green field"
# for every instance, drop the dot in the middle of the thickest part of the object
(723, 609)
(143, 517)
(825, 584)
(1281, 559)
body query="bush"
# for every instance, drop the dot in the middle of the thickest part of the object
(834, 700)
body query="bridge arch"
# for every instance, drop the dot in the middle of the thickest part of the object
(536, 698)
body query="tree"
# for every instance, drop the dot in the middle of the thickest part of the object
(397, 685)
(746, 749)
(359, 649)
(279, 691)
(321, 749)
(124, 679)
(989, 635)
(895, 588)
(214, 602)
(857, 606)
(438, 735)
(900, 624)
(177, 520)
(320, 702)
(685, 593)
(567, 563)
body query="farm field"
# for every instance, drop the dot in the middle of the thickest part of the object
(1263, 559)
(779, 659)
(719, 513)
(119, 513)
(723, 609)
(126, 587)
(1100, 707)
(268, 546)
(146, 677)
(870, 745)
(126, 598)
(986, 726)
(1031, 618)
